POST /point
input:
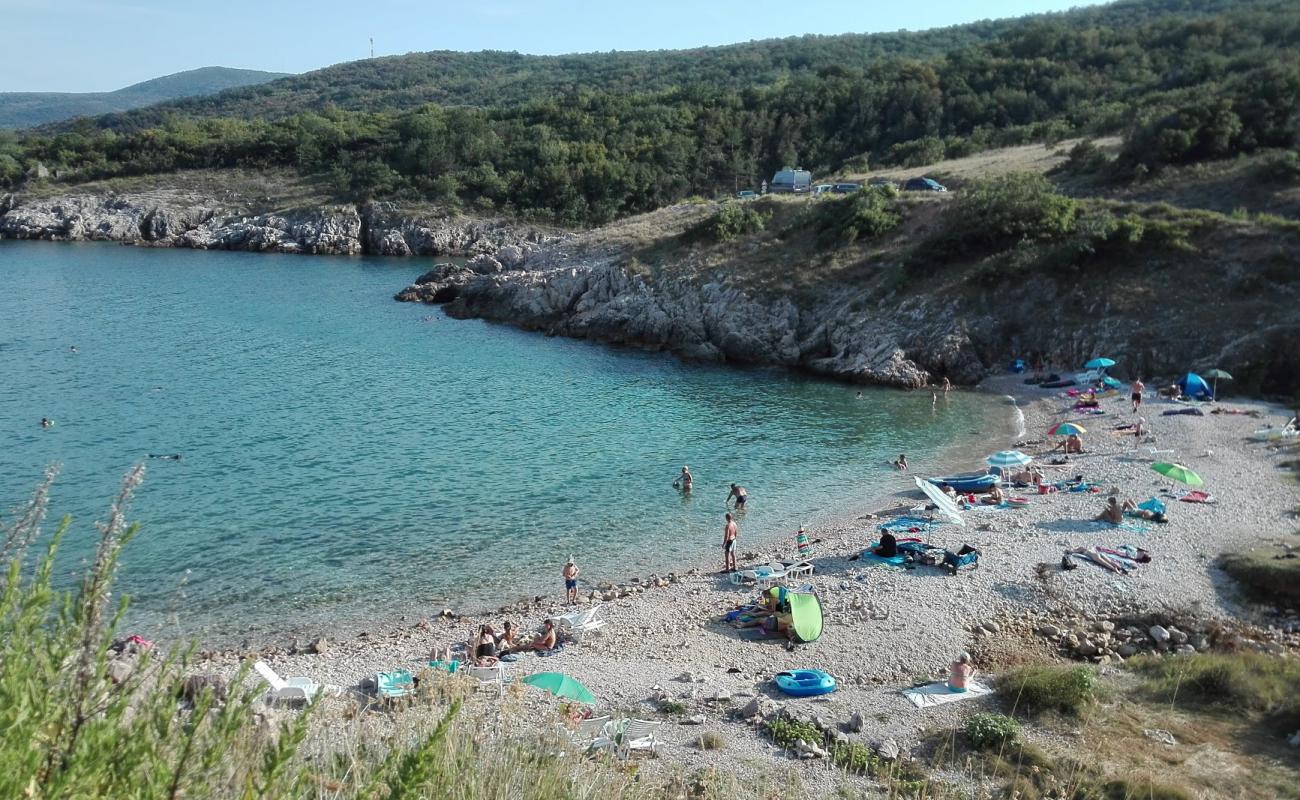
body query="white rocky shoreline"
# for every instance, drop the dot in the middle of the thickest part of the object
(888, 627)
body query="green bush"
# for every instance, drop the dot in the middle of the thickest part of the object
(672, 707)
(861, 215)
(990, 731)
(1009, 208)
(785, 731)
(1268, 574)
(916, 153)
(1085, 158)
(1068, 689)
(1242, 682)
(732, 222)
(712, 740)
(856, 758)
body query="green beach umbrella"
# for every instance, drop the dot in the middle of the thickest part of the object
(561, 686)
(1177, 472)
(1215, 374)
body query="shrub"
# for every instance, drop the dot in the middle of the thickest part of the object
(862, 215)
(1009, 208)
(673, 707)
(733, 221)
(916, 153)
(1069, 689)
(1279, 167)
(989, 731)
(1243, 682)
(855, 757)
(711, 740)
(1085, 158)
(785, 731)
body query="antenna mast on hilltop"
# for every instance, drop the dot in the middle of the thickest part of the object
(372, 47)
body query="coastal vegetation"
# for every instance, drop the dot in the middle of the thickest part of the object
(1182, 81)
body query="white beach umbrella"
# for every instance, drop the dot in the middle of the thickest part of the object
(944, 503)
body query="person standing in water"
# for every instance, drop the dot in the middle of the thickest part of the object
(901, 463)
(570, 581)
(685, 481)
(730, 532)
(947, 384)
(740, 494)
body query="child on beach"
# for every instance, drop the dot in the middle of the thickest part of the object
(570, 581)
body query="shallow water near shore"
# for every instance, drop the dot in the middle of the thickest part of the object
(347, 458)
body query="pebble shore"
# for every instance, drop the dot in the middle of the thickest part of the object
(887, 628)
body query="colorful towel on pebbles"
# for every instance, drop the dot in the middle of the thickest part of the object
(872, 558)
(905, 524)
(937, 694)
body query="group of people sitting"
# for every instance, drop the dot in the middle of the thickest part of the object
(993, 497)
(487, 647)
(773, 615)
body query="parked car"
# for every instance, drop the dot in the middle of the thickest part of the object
(822, 188)
(846, 188)
(924, 185)
(747, 194)
(790, 181)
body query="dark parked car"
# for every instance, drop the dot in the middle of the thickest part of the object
(924, 185)
(846, 188)
(747, 194)
(790, 181)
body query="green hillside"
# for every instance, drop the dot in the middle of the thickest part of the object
(27, 109)
(1183, 81)
(508, 79)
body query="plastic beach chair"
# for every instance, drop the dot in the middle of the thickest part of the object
(395, 684)
(577, 624)
(299, 688)
(635, 734)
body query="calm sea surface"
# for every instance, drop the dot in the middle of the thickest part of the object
(349, 458)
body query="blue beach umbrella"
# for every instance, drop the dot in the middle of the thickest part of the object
(1100, 363)
(1194, 385)
(1008, 458)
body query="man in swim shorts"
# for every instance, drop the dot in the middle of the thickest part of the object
(739, 493)
(1136, 394)
(730, 532)
(571, 581)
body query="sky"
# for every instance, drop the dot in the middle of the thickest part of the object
(101, 45)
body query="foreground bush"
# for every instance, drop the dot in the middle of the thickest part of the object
(1241, 682)
(1066, 689)
(732, 222)
(989, 731)
(69, 730)
(862, 215)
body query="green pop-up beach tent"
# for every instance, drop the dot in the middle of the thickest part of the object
(806, 616)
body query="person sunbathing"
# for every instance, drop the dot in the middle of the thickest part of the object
(485, 647)
(1113, 513)
(545, 641)
(506, 639)
(1027, 476)
(960, 672)
(1131, 508)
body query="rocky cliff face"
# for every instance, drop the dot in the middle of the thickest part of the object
(181, 221)
(710, 321)
(845, 332)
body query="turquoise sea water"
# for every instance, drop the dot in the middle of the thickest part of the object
(350, 458)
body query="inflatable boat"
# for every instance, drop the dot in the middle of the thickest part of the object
(971, 482)
(804, 682)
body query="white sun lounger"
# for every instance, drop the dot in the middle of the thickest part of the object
(634, 734)
(577, 624)
(303, 689)
(768, 576)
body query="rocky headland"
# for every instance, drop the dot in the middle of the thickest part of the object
(183, 219)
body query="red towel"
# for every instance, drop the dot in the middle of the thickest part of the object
(1196, 497)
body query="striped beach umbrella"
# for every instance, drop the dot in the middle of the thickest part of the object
(1067, 429)
(1008, 458)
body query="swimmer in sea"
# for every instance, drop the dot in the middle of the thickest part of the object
(46, 422)
(901, 463)
(685, 481)
(740, 494)
(166, 456)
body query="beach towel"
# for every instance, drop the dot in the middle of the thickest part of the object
(1178, 412)
(893, 561)
(937, 694)
(1197, 496)
(908, 524)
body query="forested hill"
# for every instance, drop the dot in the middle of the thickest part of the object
(25, 109)
(496, 79)
(1179, 87)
